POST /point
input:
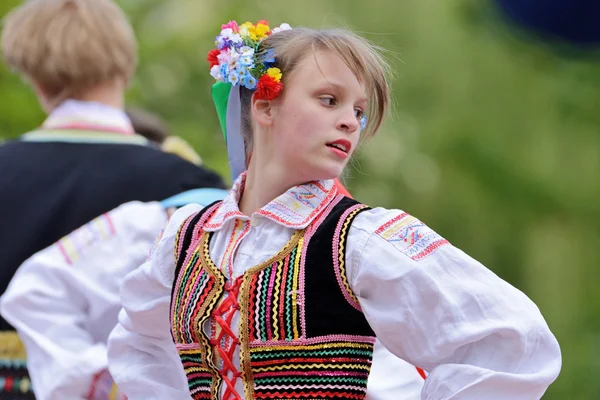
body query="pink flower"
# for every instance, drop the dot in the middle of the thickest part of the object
(231, 25)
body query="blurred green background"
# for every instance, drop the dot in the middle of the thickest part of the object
(494, 140)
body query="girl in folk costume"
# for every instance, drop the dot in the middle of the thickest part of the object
(390, 377)
(281, 290)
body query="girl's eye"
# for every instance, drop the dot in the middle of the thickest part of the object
(328, 101)
(359, 113)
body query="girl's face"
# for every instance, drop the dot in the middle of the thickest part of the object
(316, 121)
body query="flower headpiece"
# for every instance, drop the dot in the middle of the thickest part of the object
(235, 59)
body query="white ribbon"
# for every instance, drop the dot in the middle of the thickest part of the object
(236, 151)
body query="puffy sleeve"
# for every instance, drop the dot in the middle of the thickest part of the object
(432, 305)
(60, 294)
(142, 357)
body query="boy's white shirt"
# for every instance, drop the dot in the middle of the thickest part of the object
(476, 335)
(64, 302)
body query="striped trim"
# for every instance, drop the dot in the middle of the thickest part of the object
(14, 378)
(75, 244)
(339, 252)
(411, 236)
(82, 136)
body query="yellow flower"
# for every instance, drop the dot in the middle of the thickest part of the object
(246, 29)
(261, 30)
(274, 73)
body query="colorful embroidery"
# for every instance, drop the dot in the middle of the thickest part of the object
(229, 207)
(74, 245)
(295, 208)
(277, 360)
(200, 378)
(195, 293)
(240, 230)
(273, 298)
(330, 370)
(181, 256)
(14, 378)
(411, 236)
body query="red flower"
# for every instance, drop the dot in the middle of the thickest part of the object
(268, 88)
(263, 21)
(212, 57)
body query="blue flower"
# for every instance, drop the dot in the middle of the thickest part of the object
(268, 58)
(224, 72)
(220, 42)
(246, 61)
(249, 81)
(233, 77)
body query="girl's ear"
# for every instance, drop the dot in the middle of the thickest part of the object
(262, 111)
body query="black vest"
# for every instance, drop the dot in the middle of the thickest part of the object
(49, 189)
(302, 334)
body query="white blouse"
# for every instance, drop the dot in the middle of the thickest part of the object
(429, 303)
(64, 301)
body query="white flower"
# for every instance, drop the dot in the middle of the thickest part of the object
(226, 32)
(224, 57)
(282, 27)
(233, 55)
(233, 37)
(215, 72)
(246, 51)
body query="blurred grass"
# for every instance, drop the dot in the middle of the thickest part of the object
(493, 141)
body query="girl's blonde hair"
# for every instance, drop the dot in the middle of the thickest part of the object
(361, 56)
(66, 46)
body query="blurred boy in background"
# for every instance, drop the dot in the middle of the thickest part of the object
(86, 159)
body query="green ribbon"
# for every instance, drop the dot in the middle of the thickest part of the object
(220, 94)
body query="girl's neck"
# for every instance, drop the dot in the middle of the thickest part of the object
(264, 183)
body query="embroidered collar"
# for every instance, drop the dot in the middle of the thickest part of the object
(89, 116)
(296, 208)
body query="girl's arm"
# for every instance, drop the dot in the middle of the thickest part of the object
(429, 303)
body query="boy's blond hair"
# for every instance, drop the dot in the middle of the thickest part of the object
(67, 46)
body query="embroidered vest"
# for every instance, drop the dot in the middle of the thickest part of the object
(302, 333)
